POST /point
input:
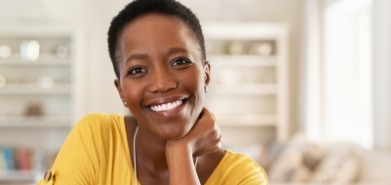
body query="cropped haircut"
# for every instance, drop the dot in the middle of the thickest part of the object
(139, 8)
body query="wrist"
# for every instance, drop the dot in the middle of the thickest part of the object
(180, 163)
(175, 147)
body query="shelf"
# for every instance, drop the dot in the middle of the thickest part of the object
(243, 89)
(250, 79)
(243, 30)
(246, 120)
(17, 176)
(35, 122)
(243, 60)
(51, 86)
(44, 59)
(27, 90)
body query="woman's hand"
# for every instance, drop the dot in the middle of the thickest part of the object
(202, 139)
(205, 136)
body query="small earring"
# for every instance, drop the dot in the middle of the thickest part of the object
(207, 88)
(125, 104)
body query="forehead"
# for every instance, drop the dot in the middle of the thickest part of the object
(155, 26)
(156, 33)
(152, 19)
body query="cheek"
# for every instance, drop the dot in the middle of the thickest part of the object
(133, 94)
(194, 83)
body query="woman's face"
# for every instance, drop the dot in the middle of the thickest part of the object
(162, 76)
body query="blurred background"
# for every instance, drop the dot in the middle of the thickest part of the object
(301, 86)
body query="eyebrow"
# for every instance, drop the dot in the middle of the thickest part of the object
(136, 57)
(143, 56)
(176, 50)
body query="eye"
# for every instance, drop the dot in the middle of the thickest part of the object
(137, 71)
(181, 63)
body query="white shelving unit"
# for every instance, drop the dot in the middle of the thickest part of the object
(41, 92)
(249, 88)
(20, 176)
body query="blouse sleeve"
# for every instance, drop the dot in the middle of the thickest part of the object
(238, 169)
(77, 160)
(256, 176)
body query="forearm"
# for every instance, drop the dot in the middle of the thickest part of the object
(181, 166)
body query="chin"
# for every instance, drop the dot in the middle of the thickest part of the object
(173, 137)
(176, 131)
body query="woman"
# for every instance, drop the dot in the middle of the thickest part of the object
(158, 54)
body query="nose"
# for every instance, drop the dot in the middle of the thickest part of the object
(162, 81)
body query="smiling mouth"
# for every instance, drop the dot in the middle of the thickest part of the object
(166, 106)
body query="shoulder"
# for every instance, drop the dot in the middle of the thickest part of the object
(239, 169)
(241, 161)
(99, 125)
(99, 118)
(95, 120)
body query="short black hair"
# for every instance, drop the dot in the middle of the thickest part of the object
(139, 8)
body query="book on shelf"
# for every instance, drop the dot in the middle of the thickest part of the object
(8, 157)
(24, 159)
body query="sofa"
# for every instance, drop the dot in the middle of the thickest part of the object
(300, 162)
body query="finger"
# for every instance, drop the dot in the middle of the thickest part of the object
(203, 112)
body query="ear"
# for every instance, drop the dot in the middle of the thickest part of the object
(207, 73)
(117, 84)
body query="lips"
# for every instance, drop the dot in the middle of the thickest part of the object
(166, 106)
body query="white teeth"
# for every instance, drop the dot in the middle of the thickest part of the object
(166, 106)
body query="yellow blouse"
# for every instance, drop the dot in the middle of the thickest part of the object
(96, 152)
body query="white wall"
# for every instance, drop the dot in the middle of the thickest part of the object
(95, 15)
(382, 74)
(381, 78)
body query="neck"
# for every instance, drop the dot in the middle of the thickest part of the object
(151, 151)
